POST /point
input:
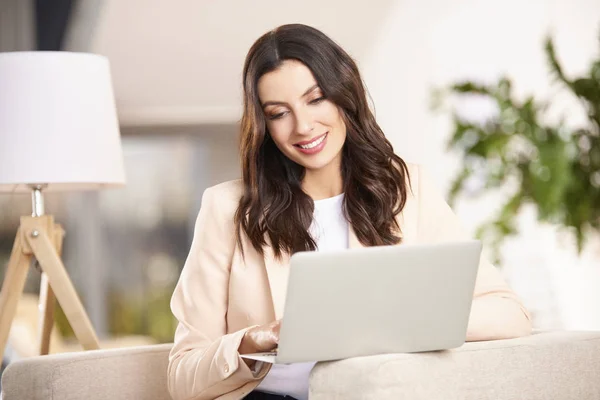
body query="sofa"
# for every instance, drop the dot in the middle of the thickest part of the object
(560, 365)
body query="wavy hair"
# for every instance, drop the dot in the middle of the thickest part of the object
(274, 210)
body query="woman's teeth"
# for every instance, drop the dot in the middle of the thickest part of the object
(313, 144)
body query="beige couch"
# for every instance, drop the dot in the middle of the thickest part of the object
(545, 366)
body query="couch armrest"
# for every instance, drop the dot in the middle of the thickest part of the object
(544, 366)
(127, 373)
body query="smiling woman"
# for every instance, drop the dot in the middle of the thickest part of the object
(308, 134)
(318, 174)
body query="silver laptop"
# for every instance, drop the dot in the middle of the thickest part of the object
(376, 300)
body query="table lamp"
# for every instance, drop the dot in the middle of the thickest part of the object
(58, 132)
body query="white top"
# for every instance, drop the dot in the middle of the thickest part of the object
(330, 227)
(330, 230)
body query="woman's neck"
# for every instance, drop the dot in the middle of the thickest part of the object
(323, 183)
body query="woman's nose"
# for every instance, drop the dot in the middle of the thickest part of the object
(304, 123)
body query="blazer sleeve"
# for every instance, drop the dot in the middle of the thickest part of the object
(204, 362)
(496, 312)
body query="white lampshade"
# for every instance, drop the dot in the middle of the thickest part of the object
(58, 122)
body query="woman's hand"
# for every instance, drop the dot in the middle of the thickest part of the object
(261, 338)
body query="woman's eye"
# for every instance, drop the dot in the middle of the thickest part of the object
(276, 116)
(317, 100)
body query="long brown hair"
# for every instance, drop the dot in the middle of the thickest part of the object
(274, 210)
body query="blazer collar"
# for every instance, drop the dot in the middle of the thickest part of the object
(277, 272)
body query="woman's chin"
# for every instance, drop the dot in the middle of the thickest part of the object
(316, 164)
(313, 162)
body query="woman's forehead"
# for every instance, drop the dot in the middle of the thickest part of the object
(287, 83)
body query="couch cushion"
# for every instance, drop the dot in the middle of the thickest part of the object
(545, 366)
(129, 373)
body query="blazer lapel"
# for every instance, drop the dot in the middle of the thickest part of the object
(278, 271)
(408, 221)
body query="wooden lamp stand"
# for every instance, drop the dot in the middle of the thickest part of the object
(40, 238)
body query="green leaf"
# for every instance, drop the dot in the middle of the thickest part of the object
(588, 89)
(470, 87)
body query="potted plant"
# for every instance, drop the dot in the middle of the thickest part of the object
(554, 167)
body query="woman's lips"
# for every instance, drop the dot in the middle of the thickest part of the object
(320, 140)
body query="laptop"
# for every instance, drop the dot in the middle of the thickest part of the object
(376, 300)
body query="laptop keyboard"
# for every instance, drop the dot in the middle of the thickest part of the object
(270, 354)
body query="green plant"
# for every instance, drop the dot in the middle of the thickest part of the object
(552, 166)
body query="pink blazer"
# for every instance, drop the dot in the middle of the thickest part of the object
(219, 295)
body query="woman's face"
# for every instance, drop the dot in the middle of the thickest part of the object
(304, 125)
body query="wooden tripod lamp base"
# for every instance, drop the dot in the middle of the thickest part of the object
(40, 238)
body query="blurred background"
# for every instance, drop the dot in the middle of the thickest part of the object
(176, 68)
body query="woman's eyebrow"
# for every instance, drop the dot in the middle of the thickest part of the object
(278, 103)
(310, 89)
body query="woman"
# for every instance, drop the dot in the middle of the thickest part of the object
(317, 174)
